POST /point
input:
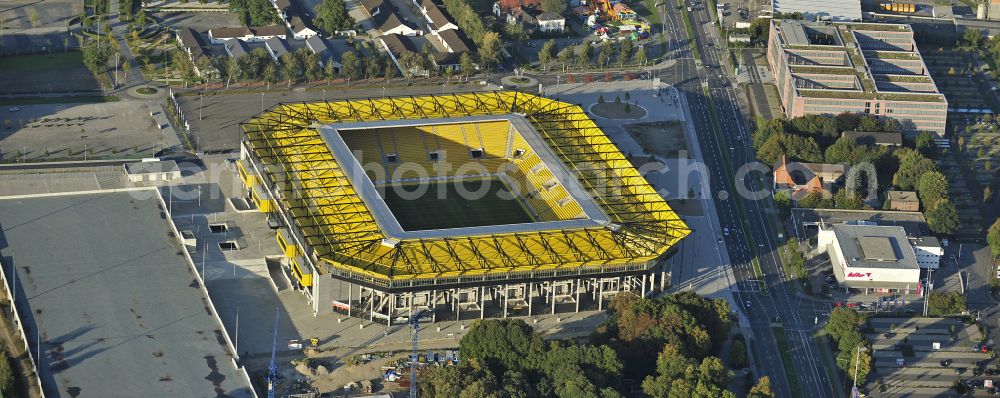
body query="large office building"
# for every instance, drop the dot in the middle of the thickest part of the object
(875, 69)
(481, 204)
(836, 10)
(871, 258)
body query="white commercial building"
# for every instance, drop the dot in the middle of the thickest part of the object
(928, 250)
(834, 10)
(871, 258)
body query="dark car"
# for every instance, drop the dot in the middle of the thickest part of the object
(946, 363)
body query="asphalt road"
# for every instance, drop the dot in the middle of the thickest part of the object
(748, 219)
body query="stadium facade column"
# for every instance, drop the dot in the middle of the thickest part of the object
(600, 294)
(433, 305)
(454, 305)
(531, 294)
(392, 308)
(663, 277)
(552, 291)
(644, 285)
(506, 298)
(350, 298)
(482, 304)
(578, 283)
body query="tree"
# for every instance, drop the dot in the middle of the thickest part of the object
(972, 38)
(640, 56)
(465, 65)
(515, 33)
(467, 17)
(625, 51)
(489, 51)
(844, 199)
(942, 218)
(583, 54)
(762, 389)
(350, 65)
(738, 354)
(290, 68)
(932, 187)
(912, 165)
(925, 144)
(606, 53)
(940, 303)
(373, 66)
(792, 146)
(679, 376)
(860, 364)
(843, 321)
(993, 237)
(6, 373)
(270, 74)
(141, 19)
(332, 16)
(556, 6)
(564, 57)
(547, 53)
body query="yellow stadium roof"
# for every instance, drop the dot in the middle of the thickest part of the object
(330, 215)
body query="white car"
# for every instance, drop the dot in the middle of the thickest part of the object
(13, 109)
(748, 303)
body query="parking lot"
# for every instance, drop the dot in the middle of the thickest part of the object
(38, 133)
(927, 356)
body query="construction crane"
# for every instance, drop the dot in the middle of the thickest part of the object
(415, 324)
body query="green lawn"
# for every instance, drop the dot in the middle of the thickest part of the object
(450, 209)
(786, 361)
(34, 63)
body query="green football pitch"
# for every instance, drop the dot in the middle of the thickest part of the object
(449, 209)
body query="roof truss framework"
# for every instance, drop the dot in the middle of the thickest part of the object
(339, 226)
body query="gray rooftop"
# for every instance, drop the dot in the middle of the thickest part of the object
(102, 279)
(162, 166)
(794, 33)
(875, 246)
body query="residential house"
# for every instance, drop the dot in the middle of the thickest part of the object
(524, 16)
(455, 44)
(437, 18)
(374, 7)
(504, 7)
(550, 22)
(193, 45)
(389, 23)
(236, 48)
(294, 18)
(801, 179)
(317, 45)
(247, 34)
(397, 46)
(903, 201)
(276, 48)
(871, 138)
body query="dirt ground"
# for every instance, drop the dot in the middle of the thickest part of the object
(664, 139)
(611, 110)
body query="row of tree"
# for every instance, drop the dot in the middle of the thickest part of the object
(583, 54)
(852, 346)
(468, 19)
(506, 358)
(917, 172)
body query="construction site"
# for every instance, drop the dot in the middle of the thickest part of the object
(532, 209)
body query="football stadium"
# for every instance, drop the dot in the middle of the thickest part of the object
(476, 204)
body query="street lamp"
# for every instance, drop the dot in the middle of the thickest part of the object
(324, 95)
(262, 101)
(857, 365)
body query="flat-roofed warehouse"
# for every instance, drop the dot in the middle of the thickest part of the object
(103, 282)
(585, 225)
